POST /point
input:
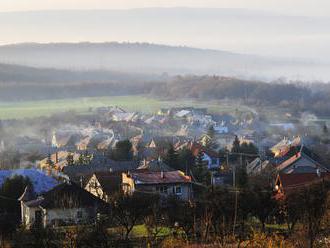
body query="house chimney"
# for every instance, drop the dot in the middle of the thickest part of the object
(318, 172)
(162, 174)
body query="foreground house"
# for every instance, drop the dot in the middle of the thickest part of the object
(288, 183)
(300, 162)
(164, 183)
(65, 204)
(99, 163)
(104, 185)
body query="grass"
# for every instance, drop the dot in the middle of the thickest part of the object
(19, 110)
(140, 231)
(30, 109)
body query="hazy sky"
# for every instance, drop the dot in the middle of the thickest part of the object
(257, 33)
(300, 7)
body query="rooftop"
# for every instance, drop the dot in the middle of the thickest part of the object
(166, 177)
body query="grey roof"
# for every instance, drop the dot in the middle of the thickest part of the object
(99, 164)
(66, 196)
(155, 165)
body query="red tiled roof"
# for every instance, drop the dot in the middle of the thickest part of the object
(195, 148)
(301, 179)
(150, 177)
(289, 161)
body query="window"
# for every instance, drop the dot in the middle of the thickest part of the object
(162, 189)
(178, 190)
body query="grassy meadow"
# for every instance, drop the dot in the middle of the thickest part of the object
(30, 109)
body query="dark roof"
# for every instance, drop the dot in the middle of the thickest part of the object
(99, 165)
(109, 181)
(155, 165)
(151, 177)
(28, 194)
(69, 195)
(149, 152)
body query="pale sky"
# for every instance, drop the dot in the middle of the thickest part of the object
(295, 7)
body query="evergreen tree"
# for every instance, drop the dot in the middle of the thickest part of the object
(186, 160)
(200, 170)
(12, 189)
(199, 159)
(122, 151)
(211, 144)
(172, 159)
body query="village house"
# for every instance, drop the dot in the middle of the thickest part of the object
(210, 157)
(165, 183)
(284, 146)
(84, 143)
(164, 112)
(58, 161)
(104, 184)
(99, 163)
(221, 128)
(300, 162)
(288, 183)
(65, 204)
(258, 166)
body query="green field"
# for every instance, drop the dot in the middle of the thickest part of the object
(26, 109)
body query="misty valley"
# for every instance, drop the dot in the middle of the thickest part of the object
(169, 141)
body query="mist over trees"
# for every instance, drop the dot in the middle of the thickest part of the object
(27, 83)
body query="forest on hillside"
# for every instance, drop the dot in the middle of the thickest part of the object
(20, 83)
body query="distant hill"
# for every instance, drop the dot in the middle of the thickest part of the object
(149, 59)
(11, 73)
(241, 30)
(19, 83)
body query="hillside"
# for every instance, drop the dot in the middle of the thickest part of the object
(149, 59)
(19, 83)
(10, 73)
